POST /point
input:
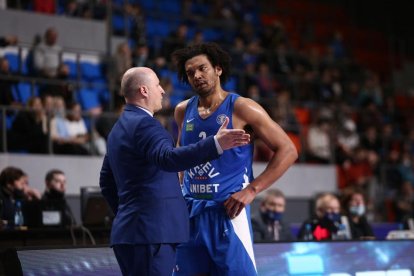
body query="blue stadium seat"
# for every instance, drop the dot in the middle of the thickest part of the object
(101, 86)
(9, 120)
(177, 96)
(88, 98)
(13, 61)
(23, 91)
(70, 60)
(170, 6)
(159, 27)
(27, 62)
(91, 68)
(145, 4)
(118, 23)
(231, 84)
(212, 34)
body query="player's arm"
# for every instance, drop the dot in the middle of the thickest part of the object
(249, 113)
(179, 113)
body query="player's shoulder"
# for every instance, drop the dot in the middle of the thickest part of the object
(181, 106)
(243, 103)
(179, 111)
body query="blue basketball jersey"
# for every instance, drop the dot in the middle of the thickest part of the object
(217, 179)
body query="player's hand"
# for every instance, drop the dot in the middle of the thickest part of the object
(237, 201)
(230, 138)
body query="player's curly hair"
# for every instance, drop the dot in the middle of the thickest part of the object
(215, 54)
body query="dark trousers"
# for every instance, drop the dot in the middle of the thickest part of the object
(145, 259)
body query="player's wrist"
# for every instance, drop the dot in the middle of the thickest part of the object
(252, 189)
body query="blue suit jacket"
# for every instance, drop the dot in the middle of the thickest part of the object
(139, 180)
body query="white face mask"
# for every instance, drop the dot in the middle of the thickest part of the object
(358, 210)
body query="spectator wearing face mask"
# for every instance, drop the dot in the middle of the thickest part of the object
(355, 208)
(325, 223)
(54, 195)
(12, 182)
(268, 225)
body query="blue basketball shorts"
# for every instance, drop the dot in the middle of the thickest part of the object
(218, 245)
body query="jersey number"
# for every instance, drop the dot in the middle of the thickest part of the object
(203, 135)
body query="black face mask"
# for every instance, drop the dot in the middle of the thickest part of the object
(18, 194)
(57, 195)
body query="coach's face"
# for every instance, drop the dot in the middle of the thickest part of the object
(202, 76)
(155, 93)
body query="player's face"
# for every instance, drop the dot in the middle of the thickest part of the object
(202, 76)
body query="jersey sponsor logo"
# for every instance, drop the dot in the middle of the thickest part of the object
(189, 127)
(203, 171)
(189, 120)
(204, 188)
(220, 119)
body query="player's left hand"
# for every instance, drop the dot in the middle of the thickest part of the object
(237, 201)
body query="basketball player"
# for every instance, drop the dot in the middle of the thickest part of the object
(219, 192)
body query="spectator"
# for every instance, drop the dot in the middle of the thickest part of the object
(122, 61)
(12, 181)
(282, 61)
(347, 141)
(355, 210)
(371, 90)
(6, 85)
(325, 222)
(404, 202)
(406, 167)
(137, 14)
(10, 40)
(69, 133)
(284, 113)
(319, 144)
(62, 88)
(105, 122)
(30, 193)
(338, 47)
(73, 9)
(236, 52)
(266, 81)
(175, 40)
(357, 172)
(54, 195)
(371, 141)
(198, 38)
(268, 225)
(28, 132)
(141, 56)
(46, 55)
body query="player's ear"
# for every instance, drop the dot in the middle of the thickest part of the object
(219, 71)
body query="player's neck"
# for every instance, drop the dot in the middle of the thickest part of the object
(209, 104)
(213, 99)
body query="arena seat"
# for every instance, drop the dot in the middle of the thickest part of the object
(91, 67)
(23, 91)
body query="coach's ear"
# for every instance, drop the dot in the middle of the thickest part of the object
(143, 90)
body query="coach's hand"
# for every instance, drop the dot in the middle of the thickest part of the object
(230, 138)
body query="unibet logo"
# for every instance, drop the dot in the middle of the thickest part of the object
(204, 188)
